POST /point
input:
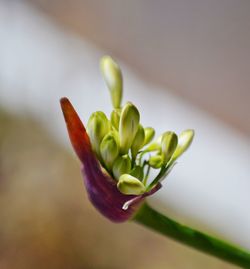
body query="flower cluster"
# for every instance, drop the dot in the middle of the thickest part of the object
(118, 153)
(124, 147)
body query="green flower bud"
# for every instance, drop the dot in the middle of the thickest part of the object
(168, 145)
(122, 165)
(156, 161)
(137, 172)
(156, 145)
(115, 118)
(128, 184)
(149, 135)
(138, 141)
(185, 140)
(128, 126)
(98, 126)
(109, 149)
(113, 77)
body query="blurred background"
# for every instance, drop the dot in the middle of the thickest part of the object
(185, 65)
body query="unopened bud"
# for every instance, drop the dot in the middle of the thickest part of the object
(128, 126)
(109, 149)
(149, 135)
(138, 141)
(137, 172)
(185, 140)
(155, 145)
(130, 185)
(168, 145)
(98, 126)
(115, 118)
(156, 161)
(122, 165)
(113, 78)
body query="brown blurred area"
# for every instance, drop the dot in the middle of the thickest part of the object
(198, 49)
(48, 222)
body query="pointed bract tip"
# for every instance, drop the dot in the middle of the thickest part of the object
(77, 133)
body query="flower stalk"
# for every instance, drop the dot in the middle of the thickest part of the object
(156, 221)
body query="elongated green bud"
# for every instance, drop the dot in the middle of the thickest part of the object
(128, 126)
(137, 172)
(128, 184)
(98, 126)
(156, 161)
(138, 141)
(185, 140)
(149, 135)
(168, 145)
(115, 118)
(122, 165)
(113, 77)
(109, 149)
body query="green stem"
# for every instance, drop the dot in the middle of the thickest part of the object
(211, 245)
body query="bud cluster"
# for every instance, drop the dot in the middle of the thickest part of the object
(124, 147)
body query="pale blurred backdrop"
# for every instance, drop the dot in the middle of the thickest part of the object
(185, 65)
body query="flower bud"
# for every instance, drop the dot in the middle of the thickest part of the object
(113, 78)
(137, 172)
(115, 118)
(156, 161)
(185, 140)
(122, 165)
(98, 126)
(109, 149)
(128, 184)
(155, 145)
(128, 126)
(138, 141)
(168, 145)
(149, 135)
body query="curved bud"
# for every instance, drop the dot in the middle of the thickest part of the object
(168, 145)
(128, 184)
(137, 172)
(185, 140)
(138, 141)
(98, 126)
(113, 77)
(115, 118)
(122, 165)
(156, 161)
(149, 135)
(128, 126)
(109, 149)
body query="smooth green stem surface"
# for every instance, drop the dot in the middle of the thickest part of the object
(154, 220)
